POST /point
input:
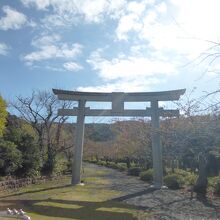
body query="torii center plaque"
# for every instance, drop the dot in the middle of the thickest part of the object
(117, 99)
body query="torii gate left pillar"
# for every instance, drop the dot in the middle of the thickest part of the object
(77, 162)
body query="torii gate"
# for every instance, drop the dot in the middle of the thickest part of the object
(117, 99)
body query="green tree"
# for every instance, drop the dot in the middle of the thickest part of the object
(10, 158)
(3, 115)
(23, 136)
(30, 157)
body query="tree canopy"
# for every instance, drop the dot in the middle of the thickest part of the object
(3, 115)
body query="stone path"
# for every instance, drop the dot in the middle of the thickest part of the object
(168, 204)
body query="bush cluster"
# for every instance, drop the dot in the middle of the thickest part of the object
(214, 185)
(217, 188)
(113, 165)
(174, 181)
(117, 166)
(101, 163)
(147, 175)
(134, 171)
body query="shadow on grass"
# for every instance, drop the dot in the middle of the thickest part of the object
(108, 210)
(83, 210)
(35, 191)
(129, 196)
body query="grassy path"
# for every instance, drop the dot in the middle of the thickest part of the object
(95, 201)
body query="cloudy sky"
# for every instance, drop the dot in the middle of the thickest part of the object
(108, 45)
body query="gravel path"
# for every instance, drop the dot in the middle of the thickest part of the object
(169, 204)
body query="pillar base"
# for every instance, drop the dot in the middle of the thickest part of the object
(74, 183)
(157, 186)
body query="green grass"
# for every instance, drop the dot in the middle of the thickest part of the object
(58, 200)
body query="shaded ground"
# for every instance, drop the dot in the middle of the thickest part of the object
(108, 194)
(165, 204)
(57, 199)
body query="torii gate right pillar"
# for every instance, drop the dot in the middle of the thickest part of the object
(156, 146)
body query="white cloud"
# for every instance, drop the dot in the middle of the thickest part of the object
(13, 19)
(127, 23)
(176, 26)
(45, 40)
(136, 7)
(138, 50)
(68, 12)
(72, 66)
(129, 67)
(128, 73)
(40, 4)
(162, 7)
(122, 86)
(4, 49)
(171, 37)
(50, 47)
(131, 20)
(55, 20)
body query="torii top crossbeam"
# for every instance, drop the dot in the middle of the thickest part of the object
(118, 99)
(127, 97)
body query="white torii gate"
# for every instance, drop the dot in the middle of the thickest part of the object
(117, 99)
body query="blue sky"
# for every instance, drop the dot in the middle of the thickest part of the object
(108, 45)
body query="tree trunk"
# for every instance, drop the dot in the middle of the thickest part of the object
(202, 182)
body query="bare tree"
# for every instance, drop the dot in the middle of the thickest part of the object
(40, 110)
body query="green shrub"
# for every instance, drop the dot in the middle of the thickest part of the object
(147, 175)
(214, 184)
(121, 167)
(181, 172)
(134, 171)
(111, 165)
(60, 166)
(93, 161)
(187, 177)
(101, 163)
(174, 181)
(217, 188)
(190, 180)
(118, 166)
